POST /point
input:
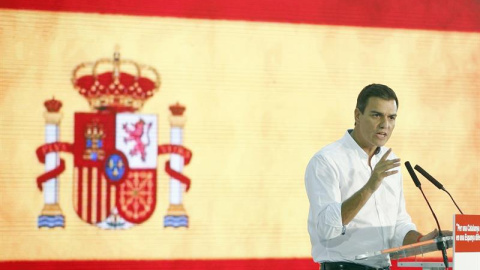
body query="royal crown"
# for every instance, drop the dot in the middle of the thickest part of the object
(53, 105)
(177, 109)
(117, 85)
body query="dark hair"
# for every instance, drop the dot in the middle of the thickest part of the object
(375, 90)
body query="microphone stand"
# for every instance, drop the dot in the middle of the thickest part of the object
(453, 200)
(441, 245)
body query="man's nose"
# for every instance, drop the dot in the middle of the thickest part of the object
(384, 123)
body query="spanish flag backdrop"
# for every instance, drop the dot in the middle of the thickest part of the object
(230, 100)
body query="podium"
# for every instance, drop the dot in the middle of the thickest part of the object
(465, 243)
(413, 250)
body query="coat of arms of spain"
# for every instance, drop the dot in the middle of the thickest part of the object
(115, 150)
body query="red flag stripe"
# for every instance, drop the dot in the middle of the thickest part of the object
(80, 191)
(251, 264)
(99, 195)
(92, 194)
(89, 196)
(449, 15)
(108, 204)
(230, 264)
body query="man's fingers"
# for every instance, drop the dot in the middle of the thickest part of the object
(388, 167)
(389, 164)
(384, 157)
(392, 161)
(430, 235)
(388, 173)
(447, 233)
(395, 163)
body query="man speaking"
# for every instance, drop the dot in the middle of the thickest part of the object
(355, 190)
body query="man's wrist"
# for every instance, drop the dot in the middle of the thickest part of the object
(368, 189)
(419, 237)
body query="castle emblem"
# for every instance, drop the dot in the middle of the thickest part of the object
(115, 150)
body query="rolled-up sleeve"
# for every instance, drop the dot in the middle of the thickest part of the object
(322, 185)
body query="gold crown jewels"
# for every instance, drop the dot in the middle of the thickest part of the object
(124, 86)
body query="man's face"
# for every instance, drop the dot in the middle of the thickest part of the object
(376, 124)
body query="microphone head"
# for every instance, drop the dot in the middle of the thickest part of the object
(412, 174)
(429, 177)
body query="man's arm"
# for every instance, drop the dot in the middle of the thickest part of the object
(352, 205)
(323, 190)
(414, 236)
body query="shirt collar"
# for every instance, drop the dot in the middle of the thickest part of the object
(352, 144)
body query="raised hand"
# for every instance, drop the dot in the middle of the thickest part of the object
(383, 169)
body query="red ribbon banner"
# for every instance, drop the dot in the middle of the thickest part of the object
(179, 150)
(43, 150)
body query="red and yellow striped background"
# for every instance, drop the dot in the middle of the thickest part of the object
(266, 84)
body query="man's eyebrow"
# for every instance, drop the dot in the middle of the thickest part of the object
(382, 114)
(375, 112)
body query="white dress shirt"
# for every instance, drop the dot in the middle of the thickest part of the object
(332, 176)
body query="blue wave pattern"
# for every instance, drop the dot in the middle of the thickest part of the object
(175, 221)
(51, 221)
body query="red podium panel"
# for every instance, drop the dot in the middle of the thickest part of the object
(466, 245)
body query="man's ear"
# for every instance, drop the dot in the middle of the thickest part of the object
(356, 115)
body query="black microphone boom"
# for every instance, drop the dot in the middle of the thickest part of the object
(413, 175)
(419, 185)
(440, 245)
(436, 183)
(429, 177)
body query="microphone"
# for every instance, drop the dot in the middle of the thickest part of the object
(440, 245)
(413, 175)
(436, 183)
